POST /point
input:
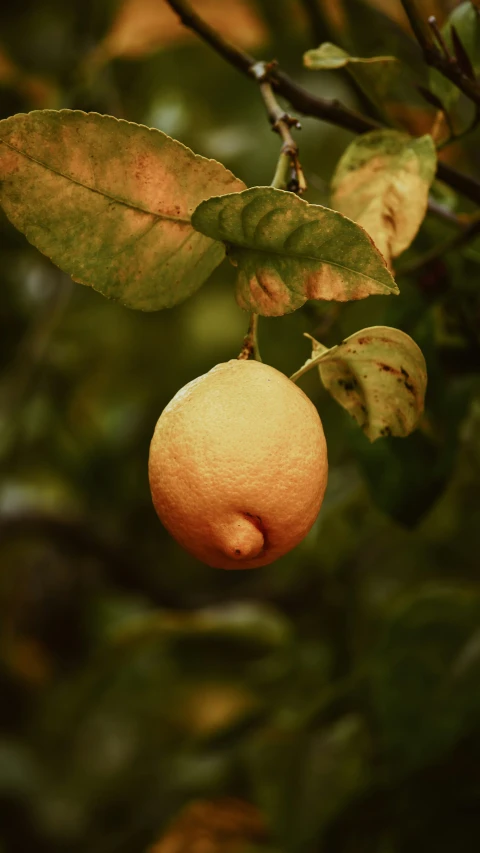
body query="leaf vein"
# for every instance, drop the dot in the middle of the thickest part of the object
(102, 193)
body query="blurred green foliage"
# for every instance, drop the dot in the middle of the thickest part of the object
(338, 690)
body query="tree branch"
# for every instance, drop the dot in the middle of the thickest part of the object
(302, 100)
(234, 55)
(446, 64)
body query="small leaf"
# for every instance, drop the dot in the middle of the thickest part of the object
(379, 376)
(328, 57)
(288, 251)
(110, 202)
(382, 182)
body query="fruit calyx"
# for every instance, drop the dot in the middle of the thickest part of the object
(242, 537)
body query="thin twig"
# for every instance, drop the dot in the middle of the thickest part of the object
(250, 341)
(447, 65)
(432, 23)
(442, 212)
(303, 101)
(281, 122)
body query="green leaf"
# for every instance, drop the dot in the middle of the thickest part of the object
(382, 181)
(110, 203)
(328, 57)
(466, 20)
(288, 251)
(379, 376)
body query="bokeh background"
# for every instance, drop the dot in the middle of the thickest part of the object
(329, 703)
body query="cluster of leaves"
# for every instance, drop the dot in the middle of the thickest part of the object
(129, 211)
(328, 702)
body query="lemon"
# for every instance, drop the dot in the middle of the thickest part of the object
(238, 465)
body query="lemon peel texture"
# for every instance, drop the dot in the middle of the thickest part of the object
(238, 465)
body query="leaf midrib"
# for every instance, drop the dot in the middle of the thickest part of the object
(311, 258)
(102, 193)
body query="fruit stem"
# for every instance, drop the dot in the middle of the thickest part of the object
(250, 341)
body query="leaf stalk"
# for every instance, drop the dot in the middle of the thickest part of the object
(250, 341)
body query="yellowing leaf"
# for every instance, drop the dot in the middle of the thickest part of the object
(144, 26)
(328, 56)
(379, 376)
(288, 251)
(110, 202)
(382, 182)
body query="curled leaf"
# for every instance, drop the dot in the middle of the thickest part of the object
(382, 181)
(110, 202)
(287, 251)
(328, 56)
(379, 376)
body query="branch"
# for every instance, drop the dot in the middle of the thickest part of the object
(302, 100)
(443, 62)
(234, 55)
(250, 341)
(281, 122)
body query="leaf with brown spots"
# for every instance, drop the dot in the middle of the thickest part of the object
(287, 251)
(382, 182)
(110, 203)
(379, 376)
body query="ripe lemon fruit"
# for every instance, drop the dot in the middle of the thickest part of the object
(238, 465)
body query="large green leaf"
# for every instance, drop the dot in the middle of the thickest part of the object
(328, 57)
(288, 251)
(379, 376)
(110, 203)
(382, 181)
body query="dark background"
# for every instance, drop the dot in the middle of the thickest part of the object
(338, 690)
